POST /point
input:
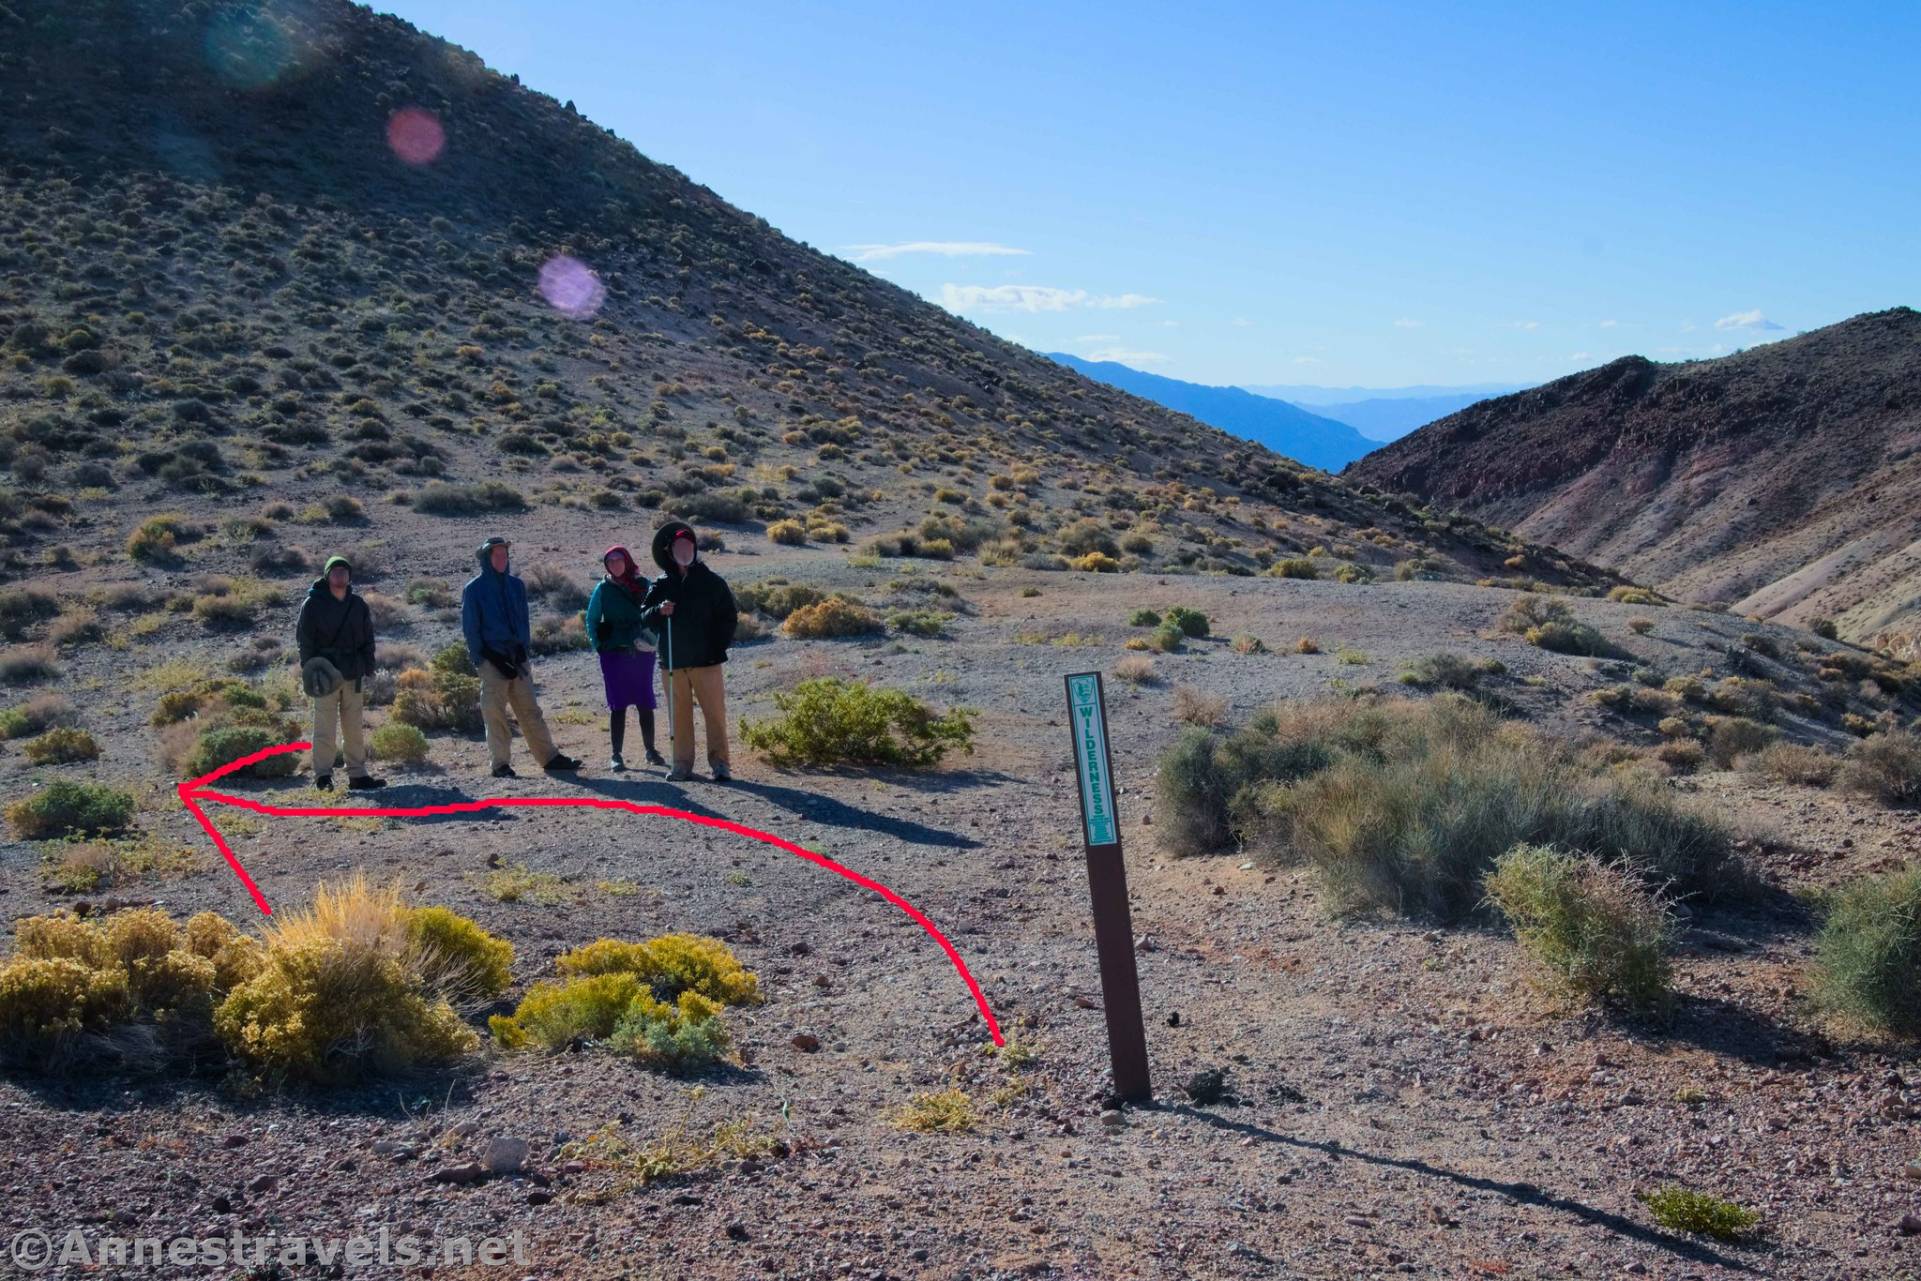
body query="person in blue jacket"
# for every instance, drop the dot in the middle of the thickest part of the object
(493, 615)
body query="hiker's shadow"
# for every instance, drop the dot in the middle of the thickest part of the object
(1527, 1193)
(825, 810)
(642, 790)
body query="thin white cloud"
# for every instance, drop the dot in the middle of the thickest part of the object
(1529, 325)
(1085, 339)
(1407, 322)
(1746, 320)
(1610, 324)
(1242, 322)
(1127, 356)
(1033, 298)
(1582, 355)
(940, 248)
(1309, 360)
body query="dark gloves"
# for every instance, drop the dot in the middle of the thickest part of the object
(507, 668)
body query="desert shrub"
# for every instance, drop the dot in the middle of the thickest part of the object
(1144, 618)
(787, 533)
(1885, 766)
(777, 599)
(828, 721)
(1683, 755)
(553, 1015)
(1739, 696)
(132, 989)
(35, 715)
(397, 741)
(682, 1036)
(347, 988)
(1168, 638)
(1683, 1210)
(668, 966)
(1197, 707)
(555, 586)
(1793, 763)
(1246, 643)
(25, 664)
(1867, 967)
(156, 540)
(1354, 572)
(47, 1004)
(1596, 931)
(1735, 736)
(455, 956)
(1628, 595)
(226, 743)
(440, 696)
(1295, 567)
(1191, 622)
(657, 1002)
(1135, 669)
(1403, 806)
(920, 622)
(1640, 626)
(61, 746)
(1823, 627)
(1095, 563)
(1444, 671)
(21, 608)
(837, 616)
(1307, 645)
(443, 498)
(1086, 536)
(64, 808)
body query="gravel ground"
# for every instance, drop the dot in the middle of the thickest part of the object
(1395, 1100)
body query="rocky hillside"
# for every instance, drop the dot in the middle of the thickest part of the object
(307, 252)
(1784, 481)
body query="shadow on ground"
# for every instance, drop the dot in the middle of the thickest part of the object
(1526, 1193)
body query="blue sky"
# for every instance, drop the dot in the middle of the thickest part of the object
(1289, 193)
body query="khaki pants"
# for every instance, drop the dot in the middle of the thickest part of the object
(708, 687)
(497, 694)
(341, 714)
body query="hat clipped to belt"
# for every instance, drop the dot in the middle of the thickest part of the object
(320, 677)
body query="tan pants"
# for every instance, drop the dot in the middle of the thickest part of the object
(708, 687)
(337, 715)
(497, 694)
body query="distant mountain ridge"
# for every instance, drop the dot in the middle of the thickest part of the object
(1317, 397)
(1783, 481)
(1284, 428)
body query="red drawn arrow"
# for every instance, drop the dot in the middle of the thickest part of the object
(195, 791)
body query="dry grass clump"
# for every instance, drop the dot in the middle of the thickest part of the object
(1596, 932)
(1403, 807)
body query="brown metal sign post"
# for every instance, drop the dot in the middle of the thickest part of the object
(1107, 885)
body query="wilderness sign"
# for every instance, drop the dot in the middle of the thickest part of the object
(1107, 886)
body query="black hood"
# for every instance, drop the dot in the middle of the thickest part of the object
(664, 544)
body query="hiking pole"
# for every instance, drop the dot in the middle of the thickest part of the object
(667, 679)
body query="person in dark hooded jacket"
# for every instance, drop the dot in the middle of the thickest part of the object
(493, 618)
(692, 609)
(335, 637)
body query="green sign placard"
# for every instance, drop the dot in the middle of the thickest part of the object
(1089, 718)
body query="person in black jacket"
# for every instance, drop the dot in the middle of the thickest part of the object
(691, 608)
(336, 639)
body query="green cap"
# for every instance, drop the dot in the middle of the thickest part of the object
(337, 560)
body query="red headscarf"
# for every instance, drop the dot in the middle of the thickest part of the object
(631, 580)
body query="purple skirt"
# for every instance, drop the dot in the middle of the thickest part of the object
(629, 678)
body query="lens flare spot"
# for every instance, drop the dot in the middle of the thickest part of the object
(415, 135)
(570, 286)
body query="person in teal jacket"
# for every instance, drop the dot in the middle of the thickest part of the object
(625, 643)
